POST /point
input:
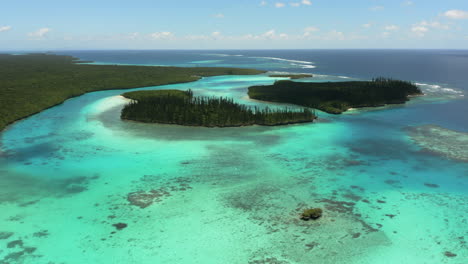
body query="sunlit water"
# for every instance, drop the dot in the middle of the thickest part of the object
(232, 195)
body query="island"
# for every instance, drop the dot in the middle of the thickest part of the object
(292, 76)
(33, 82)
(182, 108)
(336, 97)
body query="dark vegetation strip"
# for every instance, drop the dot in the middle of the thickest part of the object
(31, 83)
(182, 108)
(292, 76)
(337, 97)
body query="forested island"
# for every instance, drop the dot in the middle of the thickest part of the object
(33, 82)
(292, 76)
(182, 108)
(336, 97)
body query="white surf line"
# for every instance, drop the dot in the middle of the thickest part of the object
(281, 59)
(437, 88)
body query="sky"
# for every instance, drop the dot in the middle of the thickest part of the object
(233, 24)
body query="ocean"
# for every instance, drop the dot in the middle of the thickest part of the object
(392, 181)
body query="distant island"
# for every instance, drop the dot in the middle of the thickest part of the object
(182, 108)
(33, 82)
(336, 97)
(292, 76)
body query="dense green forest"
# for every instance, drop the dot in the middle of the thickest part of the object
(182, 108)
(31, 83)
(336, 97)
(141, 95)
(292, 76)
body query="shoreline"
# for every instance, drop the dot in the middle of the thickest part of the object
(60, 83)
(7, 126)
(237, 126)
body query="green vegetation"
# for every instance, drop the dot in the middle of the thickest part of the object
(292, 76)
(34, 82)
(311, 214)
(141, 95)
(336, 97)
(181, 108)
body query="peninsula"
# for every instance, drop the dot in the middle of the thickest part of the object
(336, 97)
(34, 82)
(182, 108)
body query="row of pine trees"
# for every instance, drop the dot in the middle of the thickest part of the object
(209, 112)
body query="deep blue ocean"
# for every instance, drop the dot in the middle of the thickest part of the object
(392, 181)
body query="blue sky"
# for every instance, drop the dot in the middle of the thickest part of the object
(234, 24)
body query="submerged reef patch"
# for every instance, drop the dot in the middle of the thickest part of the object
(5, 235)
(120, 226)
(450, 254)
(144, 199)
(153, 190)
(441, 141)
(25, 189)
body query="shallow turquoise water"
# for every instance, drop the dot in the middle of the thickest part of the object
(230, 195)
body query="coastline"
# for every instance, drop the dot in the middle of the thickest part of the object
(231, 126)
(6, 127)
(59, 84)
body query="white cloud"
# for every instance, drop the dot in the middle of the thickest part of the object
(196, 37)
(419, 31)
(408, 3)
(335, 35)
(296, 3)
(219, 15)
(217, 35)
(434, 24)
(269, 34)
(133, 35)
(308, 31)
(279, 5)
(162, 35)
(5, 28)
(40, 33)
(247, 37)
(391, 28)
(368, 25)
(377, 8)
(385, 34)
(456, 14)
(311, 29)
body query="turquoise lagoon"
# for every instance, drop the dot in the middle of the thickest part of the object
(230, 195)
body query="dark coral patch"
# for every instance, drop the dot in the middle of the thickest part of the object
(15, 243)
(120, 226)
(450, 254)
(5, 235)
